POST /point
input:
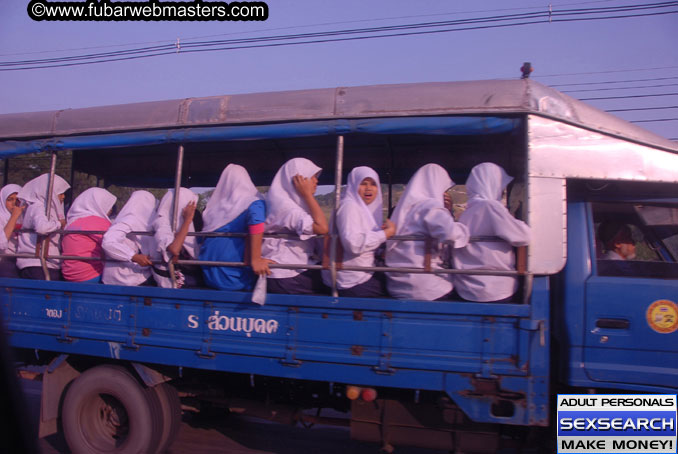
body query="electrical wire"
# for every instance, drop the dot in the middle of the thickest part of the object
(641, 108)
(499, 21)
(654, 79)
(650, 121)
(620, 88)
(185, 39)
(611, 71)
(628, 96)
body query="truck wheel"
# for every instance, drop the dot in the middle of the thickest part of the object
(106, 410)
(170, 407)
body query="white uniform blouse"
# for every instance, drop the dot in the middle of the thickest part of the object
(487, 216)
(426, 218)
(120, 244)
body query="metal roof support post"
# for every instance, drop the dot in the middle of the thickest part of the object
(48, 208)
(337, 198)
(390, 177)
(528, 277)
(70, 199)
(175, 206)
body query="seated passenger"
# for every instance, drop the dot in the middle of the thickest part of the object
(34, 193)
(617, 241)
(359, 224)
(292, 209)
(89, 211)
(132, 251)
(10, 214)
(421, 212)
(486, 215)
(178, 245)
(235, 207)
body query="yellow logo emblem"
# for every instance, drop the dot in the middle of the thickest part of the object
(662, 316)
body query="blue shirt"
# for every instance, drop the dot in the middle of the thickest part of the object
(231, 250)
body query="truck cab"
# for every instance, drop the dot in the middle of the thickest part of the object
(616, 317)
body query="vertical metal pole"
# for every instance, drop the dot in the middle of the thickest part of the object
(48, 209)
(390, 178)
(337, 198)
(70, 199)
(177, 187)
(527, 216)
(175, 205)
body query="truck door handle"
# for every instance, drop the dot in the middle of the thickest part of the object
(612, 323)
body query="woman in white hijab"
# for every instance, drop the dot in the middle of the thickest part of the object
(89, 211)
(172, 246)
(34, 193)
(359, 224)
(131, 251)
(486, 215)
(235, 207)
(10, 213)
(293, 209)
(421, 212)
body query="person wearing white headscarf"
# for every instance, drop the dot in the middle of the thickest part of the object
(421, 212)
(170, 245)
(132, 265)
(486, 215)
(34, 194)
(292, 209)
(89, 211)
(359, 221)
(236, 206)
(10, 214)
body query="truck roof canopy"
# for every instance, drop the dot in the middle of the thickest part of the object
(491, 97)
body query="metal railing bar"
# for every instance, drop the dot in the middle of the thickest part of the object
(479, 272)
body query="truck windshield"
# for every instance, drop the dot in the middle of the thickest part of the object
(662, 222)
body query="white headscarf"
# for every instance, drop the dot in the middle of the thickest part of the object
(373, 211)
(92, 202)
(486, 215)
(487, 181)
(138, 212)
(234, 193)
(5, 192)
(428, 183)
(36, 191)
(282, 197)
(162, 224)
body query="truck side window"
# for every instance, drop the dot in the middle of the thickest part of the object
(636, 240)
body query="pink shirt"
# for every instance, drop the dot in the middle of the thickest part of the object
(83, 246)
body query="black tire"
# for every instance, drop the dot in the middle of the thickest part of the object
(170, 407)
(106, 410)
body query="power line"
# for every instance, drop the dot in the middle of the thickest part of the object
(641, 108)
(184, 39)
(654, 79)
(658, 119)
(171, 46)
(628, 96)
(340, 35)
(620, 88)
(655, 68)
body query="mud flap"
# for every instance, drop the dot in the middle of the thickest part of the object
(54, 381)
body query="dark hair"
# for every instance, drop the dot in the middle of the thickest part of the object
(610, 232)
(197, 221)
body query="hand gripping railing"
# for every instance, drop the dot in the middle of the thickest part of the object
(325, 265)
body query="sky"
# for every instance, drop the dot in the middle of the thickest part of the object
(630, 58)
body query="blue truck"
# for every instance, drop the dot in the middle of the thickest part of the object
(117, 362)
